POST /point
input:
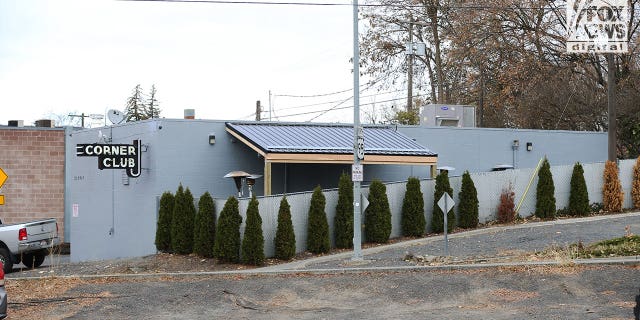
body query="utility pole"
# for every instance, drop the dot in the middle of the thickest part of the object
(410, 71)
(357, 229)
(258, 110)
(269, 105)
(81, 116)
(611, 101)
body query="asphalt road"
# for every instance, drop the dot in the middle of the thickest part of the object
(609, 292)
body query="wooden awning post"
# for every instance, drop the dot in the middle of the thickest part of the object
(434, 171)
(267, 178)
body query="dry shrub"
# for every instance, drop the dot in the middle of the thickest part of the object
(612, 194)
(506, 208)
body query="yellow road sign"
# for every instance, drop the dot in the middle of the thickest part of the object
(3, 178)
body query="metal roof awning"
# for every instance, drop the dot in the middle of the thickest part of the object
(329, 143)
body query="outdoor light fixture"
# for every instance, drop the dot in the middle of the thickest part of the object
(529, 146)
(237, 177)
(212, 139)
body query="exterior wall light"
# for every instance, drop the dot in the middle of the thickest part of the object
(212, 139)
(529, 146)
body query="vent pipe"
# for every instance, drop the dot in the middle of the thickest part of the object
(189, 114)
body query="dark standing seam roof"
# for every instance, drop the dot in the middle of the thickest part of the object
(336, 139)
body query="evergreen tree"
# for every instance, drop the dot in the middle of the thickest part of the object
(612, 194)
(318, 228)
(253, 242)
(545, 193)
(635, 185)
(378, 214)
(163, 231)
(136, 108)
(578, 196)
(152, 110)
(205, 227)
(343, 221)
(184, 213)
(437, 219)
(227, 244)
(468, 206)
(413, 220)
(285, 241)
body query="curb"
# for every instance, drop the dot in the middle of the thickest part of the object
(635, 261)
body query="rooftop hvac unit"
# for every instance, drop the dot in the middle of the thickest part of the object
(45, 123)
(448, 115)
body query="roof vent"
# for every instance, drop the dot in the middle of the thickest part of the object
(189, 113)
(16, 123)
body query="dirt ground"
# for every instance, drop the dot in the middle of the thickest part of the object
(564, 292)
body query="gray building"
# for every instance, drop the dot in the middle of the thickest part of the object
(113, 213)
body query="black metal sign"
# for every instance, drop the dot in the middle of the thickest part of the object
(114, 156)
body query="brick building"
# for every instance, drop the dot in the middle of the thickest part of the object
(34, 160)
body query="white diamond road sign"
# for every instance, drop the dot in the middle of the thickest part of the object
(446, 203)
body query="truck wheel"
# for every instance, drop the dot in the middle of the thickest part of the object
(33, 260)
(5, 258)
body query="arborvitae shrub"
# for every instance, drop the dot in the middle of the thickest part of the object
(253, 242)
(612, 194)
(413, 221)
(635, 185)
(506, 208)
(343, 221)
(205, 227)
(163, 231)
(468, 206)
(318, 228)
(545, 193)
(378, 214)
(227, 245)
(579, 196)
(437, 219)
(184, 213)
(285, 241)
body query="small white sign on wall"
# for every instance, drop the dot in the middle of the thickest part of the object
(76, 209)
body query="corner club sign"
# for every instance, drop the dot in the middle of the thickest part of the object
(599, 26)
(114, 156)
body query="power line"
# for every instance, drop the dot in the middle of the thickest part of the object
(336, 101)
(313, 96)
(342, 108)
(336, 4)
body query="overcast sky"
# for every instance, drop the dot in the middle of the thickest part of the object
(86, 56)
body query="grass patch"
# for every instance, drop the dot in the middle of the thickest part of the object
(624, 246)
(617, 247)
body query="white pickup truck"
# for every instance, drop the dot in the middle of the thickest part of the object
(28, 242)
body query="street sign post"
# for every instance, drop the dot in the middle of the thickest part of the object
(3, 178)
(357, 173)
(446, 203)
